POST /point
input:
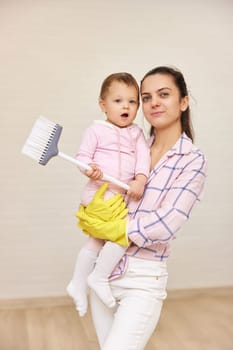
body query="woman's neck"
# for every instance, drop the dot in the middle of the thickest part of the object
(166, 138)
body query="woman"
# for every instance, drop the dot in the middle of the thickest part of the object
(174, 186)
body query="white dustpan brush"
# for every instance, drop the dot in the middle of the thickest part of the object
(42, 145)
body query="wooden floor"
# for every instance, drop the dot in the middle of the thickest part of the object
(199, 320)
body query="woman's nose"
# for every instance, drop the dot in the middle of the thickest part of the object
(155, 101)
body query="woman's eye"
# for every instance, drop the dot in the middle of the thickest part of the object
(164, 94)
(145, 98)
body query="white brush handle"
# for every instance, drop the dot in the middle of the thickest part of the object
(87, 167)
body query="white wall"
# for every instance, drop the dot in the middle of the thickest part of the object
(54, 55)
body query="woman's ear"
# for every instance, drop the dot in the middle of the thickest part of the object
(102, 105)
(184, 103)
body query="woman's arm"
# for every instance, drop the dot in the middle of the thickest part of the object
(153, 226)
(161, 225)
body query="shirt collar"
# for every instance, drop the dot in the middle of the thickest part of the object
(104, 122)
(182, 146)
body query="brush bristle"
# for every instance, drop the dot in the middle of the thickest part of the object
(41, 144)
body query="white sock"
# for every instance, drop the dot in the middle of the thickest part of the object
(108, 257)
(77, 288)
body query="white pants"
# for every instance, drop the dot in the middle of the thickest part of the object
(139, 294)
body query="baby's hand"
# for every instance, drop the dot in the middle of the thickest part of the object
(95, 173)
(136, 189)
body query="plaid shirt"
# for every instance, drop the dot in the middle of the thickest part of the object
(174, 186)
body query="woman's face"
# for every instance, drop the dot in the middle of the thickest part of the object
(161, 102)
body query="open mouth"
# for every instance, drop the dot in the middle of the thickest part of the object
(124, 115)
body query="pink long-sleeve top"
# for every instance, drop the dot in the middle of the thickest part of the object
(173, 188)
(118, 152)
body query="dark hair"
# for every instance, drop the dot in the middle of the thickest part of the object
(186, 123)
(121, 77)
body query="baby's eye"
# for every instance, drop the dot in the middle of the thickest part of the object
(117, 100)
(132, 102)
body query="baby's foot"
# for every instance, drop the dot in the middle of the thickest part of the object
(79, 297)
(101, 287)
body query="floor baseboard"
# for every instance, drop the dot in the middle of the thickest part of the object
(195, 292)
(54, 301)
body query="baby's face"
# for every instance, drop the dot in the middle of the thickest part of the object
(120, 104)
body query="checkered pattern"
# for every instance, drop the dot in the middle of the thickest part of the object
(174, 186)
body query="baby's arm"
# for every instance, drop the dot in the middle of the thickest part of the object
(137, 186)
(142, 167)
